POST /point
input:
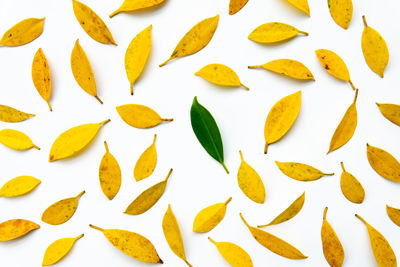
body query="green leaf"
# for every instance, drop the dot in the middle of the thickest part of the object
(206, 130)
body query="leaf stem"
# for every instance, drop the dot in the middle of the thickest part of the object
(341, 164)
(96, 227)
(305, 33)
(365, 21)
(163, 64)
(352, 85)
(226, 169)
(255, 67)
(245, 87)
(98, 99)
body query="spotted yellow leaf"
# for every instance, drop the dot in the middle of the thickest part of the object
(16, 140)
(23, 32)
(384, 163)
(9, 114)
(351, 187)
(288, 67)
(41, 76)
(289, 212)
(147, 198)
(341, 12)
(375, 50)
(220, 74)
(196, 39)
(274, 243)
(140, 116)
(391, 112)
(173, 235)
(135, 5)
(58, 250)
(250, 182)
(274, 32)
(208, 218)
(281, 118)
(109, 174)
(334, 65)
(300, 171)
(61, 211)
(236, 5)
(146, 163)
(233, 254)
(394, 214)
(92, 24)
(19, 186)
(301, 5)
(383, 252)
(331, 245)
(137, 54)
(132, 244)
(16, 228)
(82, 71)
(74, 140)
(346, 128)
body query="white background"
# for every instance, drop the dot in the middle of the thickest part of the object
(197, 180)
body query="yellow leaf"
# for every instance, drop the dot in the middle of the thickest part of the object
(394, 214)
(281, 118)
(74, 140)
(300, 171)
(289, 212)
(134, 5)
(132, 244)
(173, 234)
(274, 244)
(41, 76)
(139, 116)
(391, 112)
(23, 32)
(9, 114)
(334, 65)
(147, 198)
(82, 71)
(19, 186)
(196, 39)
(341, 12)
(146, 163)
(13, 229)
(375, 50)
(333, 249)
(346, 127)
(109, 174)
(233, 254)
(274, 32)
(220, 75)
(302, 5)
(236, 5)
(210, 217)
(137, 54)
(61, 211)
(92, 24)
(288, 67)
(384, 254)
(58, 250)
(250, 182)
(383, 163)
(16, 140)
(351, 187)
